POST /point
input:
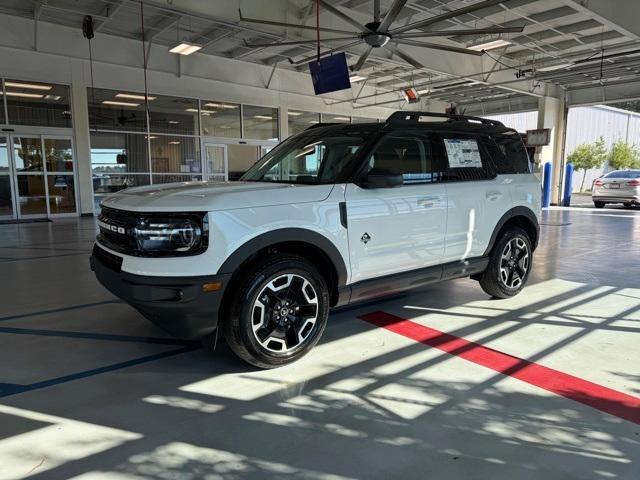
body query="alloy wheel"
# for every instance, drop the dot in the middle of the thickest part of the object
(284, 313)
(514, 263)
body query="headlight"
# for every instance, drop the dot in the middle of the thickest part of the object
(166, 236)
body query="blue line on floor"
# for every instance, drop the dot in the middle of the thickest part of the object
(96, 336)
(15, 389)
(61, 309)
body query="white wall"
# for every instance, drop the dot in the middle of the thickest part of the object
(521, 122)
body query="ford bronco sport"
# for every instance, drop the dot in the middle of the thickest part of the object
(334, 215)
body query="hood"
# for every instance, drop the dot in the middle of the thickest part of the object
(212, 196)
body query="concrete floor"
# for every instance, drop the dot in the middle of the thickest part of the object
(90, 390)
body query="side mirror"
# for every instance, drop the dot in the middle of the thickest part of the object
(382, 178)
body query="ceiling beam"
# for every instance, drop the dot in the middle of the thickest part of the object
(109, 12)
(619, 15)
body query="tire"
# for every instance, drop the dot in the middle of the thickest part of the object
(262, 326)
(598, 204)
(512, 253)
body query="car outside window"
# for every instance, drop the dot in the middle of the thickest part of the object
(623, 174)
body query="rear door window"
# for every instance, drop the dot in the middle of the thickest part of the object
(464, 155)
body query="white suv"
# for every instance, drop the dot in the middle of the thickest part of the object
(334, 215)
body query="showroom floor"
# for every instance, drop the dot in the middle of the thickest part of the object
(89, 389)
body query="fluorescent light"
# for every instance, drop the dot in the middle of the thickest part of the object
(120, 104)
(24, 95)
(314, 121)
(294, 114)
(424, 92)
(52, 97)
(185, 48)
(173, 122)
(559, 66)
(493, 44)
(220, 105)
(193, 110)
(263, 117)
(28, 86)
(356, 78)
(151, 137)
(345, 119)
(174, 143)
(133, 96)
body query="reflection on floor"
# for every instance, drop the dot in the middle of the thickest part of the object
(90, 390)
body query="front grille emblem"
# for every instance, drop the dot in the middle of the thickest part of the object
(365, 238)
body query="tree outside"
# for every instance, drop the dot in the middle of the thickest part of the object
(588, 156)
(623, 156)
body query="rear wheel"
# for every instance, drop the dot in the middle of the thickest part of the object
(280, 312)
(598, 204)
(509, 264)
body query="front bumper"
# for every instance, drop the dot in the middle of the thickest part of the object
(178, 305)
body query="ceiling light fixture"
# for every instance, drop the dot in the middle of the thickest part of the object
(341, 119)
(24, 95)
(120, 104)
(492, 45)
(52, 97)
(220, 105)
(185, 48)
(28, 86)
(174, 143)
(263, 117)
(294, 114)
(173, 122)
(133, 96)
(356, 78)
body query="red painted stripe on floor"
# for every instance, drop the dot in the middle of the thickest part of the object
(588, 393)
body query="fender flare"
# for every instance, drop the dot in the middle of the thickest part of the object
(519, 211)
(281, 235)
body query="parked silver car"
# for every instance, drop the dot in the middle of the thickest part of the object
(620, 186)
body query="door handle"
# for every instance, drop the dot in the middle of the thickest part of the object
(493, 196)
(428, 202)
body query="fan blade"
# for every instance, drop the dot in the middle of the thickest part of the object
(293, 25)
(447, 15)
(323, 54)
(296, 42)
(407, 58)
(391, 15)
(437, 46)
(363, 58)
(343, 16)
(453, 33)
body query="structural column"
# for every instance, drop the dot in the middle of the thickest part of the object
(552, 114)
(80, 115)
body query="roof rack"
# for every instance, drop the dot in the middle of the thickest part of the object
(320, 124)
(414, 117)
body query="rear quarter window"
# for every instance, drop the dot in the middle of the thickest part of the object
(508, 153)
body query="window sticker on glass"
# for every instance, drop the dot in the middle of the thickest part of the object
(463, 153)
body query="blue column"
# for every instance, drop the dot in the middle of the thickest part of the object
(568, 185)
(546, 185)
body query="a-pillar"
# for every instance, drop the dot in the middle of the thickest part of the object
(552, 114)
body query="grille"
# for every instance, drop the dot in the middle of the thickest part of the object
(111, 261)
(116, 230)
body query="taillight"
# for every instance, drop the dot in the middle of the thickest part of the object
(598, 183)
(634, 183)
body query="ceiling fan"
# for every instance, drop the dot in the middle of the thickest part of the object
(379, 32)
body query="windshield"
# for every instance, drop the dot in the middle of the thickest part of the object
(309, 158)
(623, 174)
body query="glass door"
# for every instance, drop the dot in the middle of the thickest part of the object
(7, 205)
(36, 177)
(30, 187)
(216, 164)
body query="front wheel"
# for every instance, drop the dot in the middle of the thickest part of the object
(280, 312)
(509, 264)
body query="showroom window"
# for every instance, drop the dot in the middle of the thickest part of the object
(299, 120)
(329, 118)
(220, 119)
(110, 110)
(37, 103)
(174, 115)
(260, 123)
